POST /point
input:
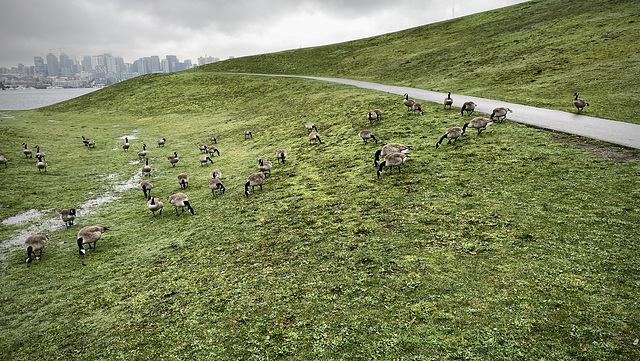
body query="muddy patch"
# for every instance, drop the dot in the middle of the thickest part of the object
(604, 150)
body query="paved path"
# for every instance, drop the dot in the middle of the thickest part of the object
(621, 133)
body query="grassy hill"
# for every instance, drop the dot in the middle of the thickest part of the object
(515, 244)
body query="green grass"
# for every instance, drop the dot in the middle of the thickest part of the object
(518, 244)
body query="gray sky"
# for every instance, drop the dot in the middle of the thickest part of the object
(189, 29)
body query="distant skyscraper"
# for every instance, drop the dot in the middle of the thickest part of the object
(172, 60)
(53, 69)
(86, 64)
(41, 69)
(65, 65)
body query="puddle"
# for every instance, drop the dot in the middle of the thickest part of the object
(54, 121)
(24, 217)
(131, 136)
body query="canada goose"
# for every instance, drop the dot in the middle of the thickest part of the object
(38, 152)
(89, 235)
(255, 179)
(146, 168)
(216, 173)
(366, 135)
(310, 126)
(41, 164)
(479, 123)
(247, 133)
(390, 148)
(202, 147)
(180, 200)
(68, 216)
(183, 180)
(3, 160)
(314, 136)
(173, 159)
(392, 160)
(500, 113)
(215, 183)
(212, 149)
(452, 133)
(162, 142)
(372, 116)
(88, 142)
(32, 244)
(448, 101)
(408, 102)
(378, 113)
(281, 154)
(204, 159)
(85, 140)
(154, 205)
(579, 103)
(143, 153)
(146, 186)
(125, 145)
(264, 165)
(417, 107)
(469, 107)
(213, 139)
(27, 151)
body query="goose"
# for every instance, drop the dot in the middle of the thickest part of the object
(579, 103)
(372, 116)
(32, 244)
(162, 142)
(247, 133)
(204, 159)
(146, 168)
(155, 205)
(146, 186)
(212, 149)
(452, 133)
(27, 151)
(38, 152)
(41, 164)
(469, 107)
(264, 165)
(479, 123)
(143, 153)
(89, 235)
(448, 101)
(281, 154)
(125, 145)
(173, 159)
(378, 113)
(91, 143)
(255, 179)
(366, 135)
(390, 148)
(213, 139)
(310, 126)
(314, 136)
(216, 174)
(500, 113)
(392, 160)
(180, 200)
(215, 183)
(68, 216)
(408, 102)
(202, 147)
(417, 107)
(85, 140)
(3, 160)
(183, 180)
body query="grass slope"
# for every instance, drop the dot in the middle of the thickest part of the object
(590, 47)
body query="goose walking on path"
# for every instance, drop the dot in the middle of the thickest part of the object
(579, 103)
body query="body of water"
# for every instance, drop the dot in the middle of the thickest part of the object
(26, 99)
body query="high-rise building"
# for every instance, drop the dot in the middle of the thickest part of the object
(87, 64)
(53, 69)
(172, 60)
(41, 69)
(65, 65)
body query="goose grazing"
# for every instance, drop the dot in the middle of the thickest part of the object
(392, 160)
(180, 200)
(27, 151)
(378, 113)
(88, 142)
(41, 164)
(213, 139)
(372, 116)
(68, 216)
(468, 107)
(173, 159)
(215, 183)
(452, 134)
(3, 160)
(212, 149)
(264, 165)
(146, 168)
(247, 133)
(417, 107)
(204, 159)
(216, 173)
(89, 235)
(38, 152)
(125, 145)
(162, 142)
(155, 205)
(448, 101)
(183, 180)
(388, 149)
(579, 103)
(143, 152)
(408, 102)
(146, 186)
(310, 126)
(32, 244)
(85, 140)
(479, 123)
(500, 113)
(366, 135)
(255, 179)
(281, 154)
(202, 147)
(314, 136)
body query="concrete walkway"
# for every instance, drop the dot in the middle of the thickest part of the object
(621, 133)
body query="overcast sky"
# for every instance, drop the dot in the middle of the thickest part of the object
(190, 29)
